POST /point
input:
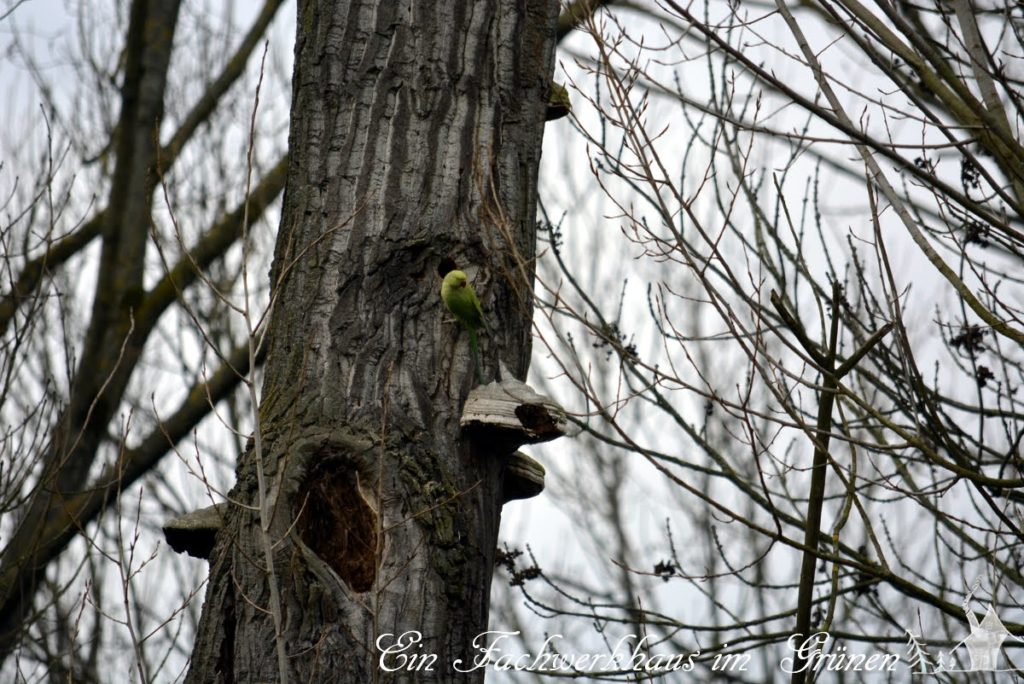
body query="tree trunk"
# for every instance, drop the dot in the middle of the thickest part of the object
(415, 140)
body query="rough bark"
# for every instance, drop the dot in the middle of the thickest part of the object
(415, 139)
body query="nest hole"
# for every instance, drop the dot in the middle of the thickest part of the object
(340, 525)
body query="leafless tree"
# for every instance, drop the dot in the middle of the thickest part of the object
(124, 206)
(799, 391)
(783, 305)
(170, 226)
(363, 518)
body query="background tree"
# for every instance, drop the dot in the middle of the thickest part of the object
(809, 372)
(114, 349)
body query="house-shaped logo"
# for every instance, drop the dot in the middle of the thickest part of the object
(980, 651)
(985, 640)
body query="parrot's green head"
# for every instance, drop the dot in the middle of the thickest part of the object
(455, 279)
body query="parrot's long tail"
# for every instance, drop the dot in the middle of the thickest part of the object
(474, 347)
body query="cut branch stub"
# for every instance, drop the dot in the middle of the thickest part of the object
(502, 416)
(195, 532)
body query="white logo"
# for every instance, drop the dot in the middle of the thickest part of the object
(983, 646)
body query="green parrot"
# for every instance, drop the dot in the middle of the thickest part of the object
(460, 298)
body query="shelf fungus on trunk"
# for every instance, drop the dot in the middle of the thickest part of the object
(502, 416)
(195, 532)
(524, 478)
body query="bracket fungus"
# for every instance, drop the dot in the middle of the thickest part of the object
(508, 414)
(195, 532)
(501, 417)
(524, 478)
